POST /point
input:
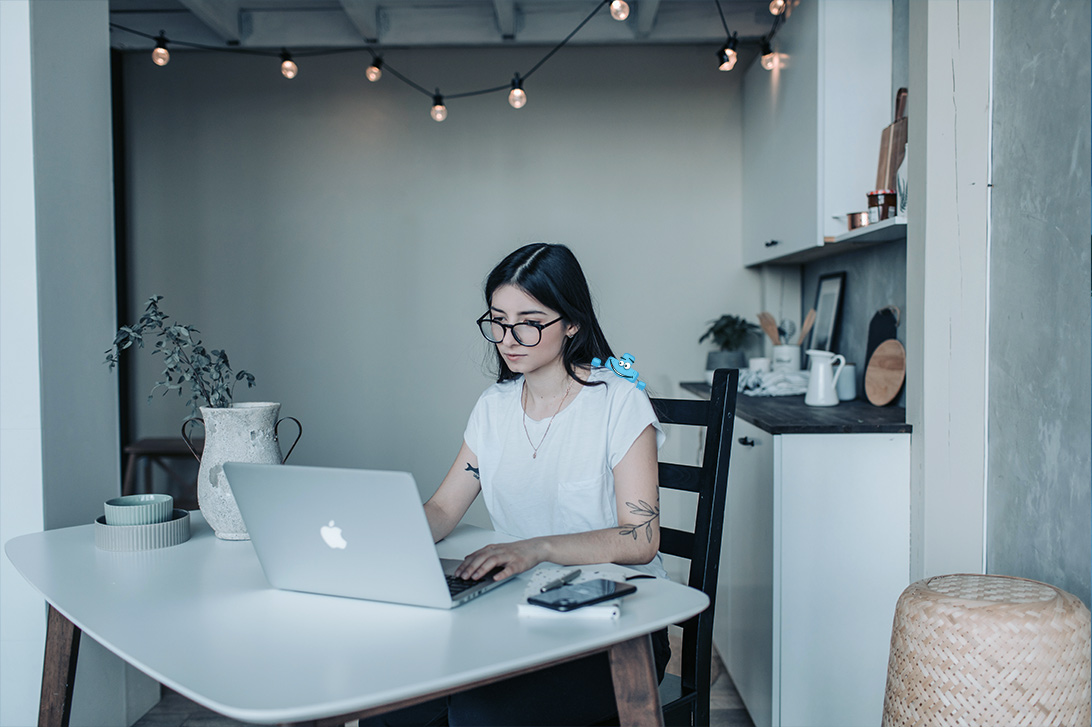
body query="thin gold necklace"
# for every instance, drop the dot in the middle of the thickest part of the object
(523, 404)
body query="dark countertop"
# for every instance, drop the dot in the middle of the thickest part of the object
(790, 415)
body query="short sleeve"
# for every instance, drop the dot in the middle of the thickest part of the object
(472, 434)
(630, 413)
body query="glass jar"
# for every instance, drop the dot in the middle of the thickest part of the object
(881, 205)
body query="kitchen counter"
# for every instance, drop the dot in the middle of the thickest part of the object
(790, 415)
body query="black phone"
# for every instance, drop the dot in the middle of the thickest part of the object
(575, 595)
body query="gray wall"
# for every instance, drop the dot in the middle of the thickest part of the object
(334, 239)
(1039, 358)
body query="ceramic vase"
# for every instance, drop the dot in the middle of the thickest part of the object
(245, 432)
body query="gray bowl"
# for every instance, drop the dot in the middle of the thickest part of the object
(139, 509)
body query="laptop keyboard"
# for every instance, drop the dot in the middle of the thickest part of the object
(456, 585)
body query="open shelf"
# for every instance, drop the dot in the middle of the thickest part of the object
(888, 230)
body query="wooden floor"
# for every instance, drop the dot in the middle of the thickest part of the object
(174, 710)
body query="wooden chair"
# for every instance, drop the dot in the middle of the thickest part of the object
(686, 698)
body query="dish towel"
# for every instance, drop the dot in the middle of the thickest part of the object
(773, 383)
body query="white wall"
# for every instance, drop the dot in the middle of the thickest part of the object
(334, 239)
(22, 610)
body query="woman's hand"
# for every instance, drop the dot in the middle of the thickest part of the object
(513, 557)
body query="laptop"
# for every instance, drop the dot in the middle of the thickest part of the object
(344, 532)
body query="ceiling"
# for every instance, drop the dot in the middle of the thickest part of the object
(323, 24)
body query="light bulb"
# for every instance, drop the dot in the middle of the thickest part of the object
(375, 70)
(288, 67)
(161, 56)
(439, 111)
(517, 97)
(619, 9)
(727, 55)
(769, 58)
(777, 7)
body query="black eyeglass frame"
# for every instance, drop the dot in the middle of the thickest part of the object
(512, 326)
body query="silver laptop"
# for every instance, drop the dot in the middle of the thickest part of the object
(342, 532)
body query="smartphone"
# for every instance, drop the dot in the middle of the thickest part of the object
(575, 595)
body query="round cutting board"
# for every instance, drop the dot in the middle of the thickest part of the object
(886, 372)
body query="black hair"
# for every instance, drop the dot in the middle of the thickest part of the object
(551, 275)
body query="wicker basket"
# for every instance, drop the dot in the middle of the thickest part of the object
(988, 651)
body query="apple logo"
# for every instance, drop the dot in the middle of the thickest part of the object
(332, 535)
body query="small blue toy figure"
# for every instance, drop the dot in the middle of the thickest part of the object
(623, 367)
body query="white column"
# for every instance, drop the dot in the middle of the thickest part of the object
(22, 610)
(947, 281)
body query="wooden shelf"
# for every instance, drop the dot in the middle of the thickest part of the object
(888, 230)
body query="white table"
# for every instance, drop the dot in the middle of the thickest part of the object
(201, 619)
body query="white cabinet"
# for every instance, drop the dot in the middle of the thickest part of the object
(811, 128)
(816, 551)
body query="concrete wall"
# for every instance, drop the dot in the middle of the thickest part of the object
(1038, 518)
(334, 239)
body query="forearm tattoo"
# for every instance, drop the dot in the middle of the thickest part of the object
(642, 509)
(474, 471)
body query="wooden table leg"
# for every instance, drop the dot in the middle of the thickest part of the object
(58, 671)
(635, 687)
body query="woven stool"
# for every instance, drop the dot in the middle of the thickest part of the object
(988, 651)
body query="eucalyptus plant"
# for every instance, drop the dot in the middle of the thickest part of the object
(188, 366)
(730, 332)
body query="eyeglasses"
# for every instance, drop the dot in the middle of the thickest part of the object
(527, 333)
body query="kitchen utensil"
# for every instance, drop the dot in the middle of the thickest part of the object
(809, 321)
(769, 325)
(786, 329)
(885, 373)
(892, 145)
(881, 328)
(858, 219)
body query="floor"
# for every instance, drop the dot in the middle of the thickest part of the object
(174, 710)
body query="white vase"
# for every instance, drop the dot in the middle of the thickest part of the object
(240, 433)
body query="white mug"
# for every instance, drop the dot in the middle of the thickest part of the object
(847, 383)
(786, 358)
(760, 365)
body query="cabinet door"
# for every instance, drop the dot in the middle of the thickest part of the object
(843, 555)
(743, 626)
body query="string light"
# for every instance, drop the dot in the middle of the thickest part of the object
(438, 111)
(517, 98)
(161, 56)
(375, 70)
(769, 58)
(777, 7)
(289, 69)
(727, 55)
(619, 9)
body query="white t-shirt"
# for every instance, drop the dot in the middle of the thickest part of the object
(569, 486)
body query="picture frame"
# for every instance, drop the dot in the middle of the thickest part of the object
(829, 295)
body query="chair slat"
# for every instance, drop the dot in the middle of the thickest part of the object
(681, 411)
(676, 542)
(680, 477)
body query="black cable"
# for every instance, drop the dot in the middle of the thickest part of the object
(567, 38)
(722, 20)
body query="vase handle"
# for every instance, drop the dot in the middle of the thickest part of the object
(298, 435)
(187, 439)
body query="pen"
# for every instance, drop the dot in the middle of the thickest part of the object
(567, 578)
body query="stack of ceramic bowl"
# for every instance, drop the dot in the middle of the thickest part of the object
(141, 522)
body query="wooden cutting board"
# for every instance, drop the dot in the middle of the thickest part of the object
(886, 373)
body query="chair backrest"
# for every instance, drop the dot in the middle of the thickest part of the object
(702, 545)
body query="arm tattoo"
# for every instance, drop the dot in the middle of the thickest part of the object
(641, 509)
(474, 471)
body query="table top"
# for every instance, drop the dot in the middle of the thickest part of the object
(201, 619)
(790, 415)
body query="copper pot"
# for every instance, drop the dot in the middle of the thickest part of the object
(857, 219)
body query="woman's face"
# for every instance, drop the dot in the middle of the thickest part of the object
(513, 305)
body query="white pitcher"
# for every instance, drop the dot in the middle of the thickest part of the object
(823, 381)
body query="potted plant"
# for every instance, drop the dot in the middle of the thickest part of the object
(245, 432)
(729, 333)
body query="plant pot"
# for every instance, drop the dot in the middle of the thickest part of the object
(239, 433)
(725, 360)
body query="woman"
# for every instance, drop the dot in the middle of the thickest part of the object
(565, 458)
